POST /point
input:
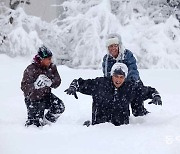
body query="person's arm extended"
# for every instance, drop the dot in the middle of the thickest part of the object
(83, 86)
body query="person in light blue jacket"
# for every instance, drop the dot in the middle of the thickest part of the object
(118, 54)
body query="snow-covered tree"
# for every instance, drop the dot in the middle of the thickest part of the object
(87, 24)
(85, 31)
(150, 29)
(21, 37)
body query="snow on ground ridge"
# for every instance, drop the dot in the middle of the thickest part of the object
(155, 133)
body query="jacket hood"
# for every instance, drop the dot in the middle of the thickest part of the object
(36, 59)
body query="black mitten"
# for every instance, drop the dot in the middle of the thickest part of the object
(156, 99)
(72, 88)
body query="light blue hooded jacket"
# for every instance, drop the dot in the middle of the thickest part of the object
(125, 56)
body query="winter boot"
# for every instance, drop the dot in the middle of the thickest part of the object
(52, 117)
(28, 123)
(37, 123)
(87, 123)
(46, 122)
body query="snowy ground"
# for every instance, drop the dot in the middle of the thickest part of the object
(156, 133)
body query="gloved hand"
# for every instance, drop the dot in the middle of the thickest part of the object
(72, 88)
(156, 99)
(42, 81)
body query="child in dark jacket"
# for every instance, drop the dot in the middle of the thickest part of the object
(38, 79)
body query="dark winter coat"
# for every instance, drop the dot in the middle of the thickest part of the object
(30, 75)
(111, 104)
(127, 58)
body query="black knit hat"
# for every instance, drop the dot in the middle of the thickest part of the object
(119, 71)
(44, 52)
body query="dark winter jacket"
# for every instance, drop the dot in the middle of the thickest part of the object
(30, 75)
(126, 58)
(111, 104)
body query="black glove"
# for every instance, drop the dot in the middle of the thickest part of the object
(72, 88)
(156, 99)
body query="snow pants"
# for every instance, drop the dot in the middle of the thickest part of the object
(115, 116)
(36, 109)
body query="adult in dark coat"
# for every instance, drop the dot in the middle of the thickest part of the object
(112, 96)
(118, 54)
(38, 79)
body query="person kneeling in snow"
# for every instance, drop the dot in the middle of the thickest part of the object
(112, 96)
(116, 53)
(38, 79)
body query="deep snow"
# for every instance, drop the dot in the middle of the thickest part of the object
(156, 133)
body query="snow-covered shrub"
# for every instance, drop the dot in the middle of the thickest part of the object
(154, 45)
(20, 31)
(21, 34)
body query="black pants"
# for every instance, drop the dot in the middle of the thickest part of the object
(35, 109)
(115, 116)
